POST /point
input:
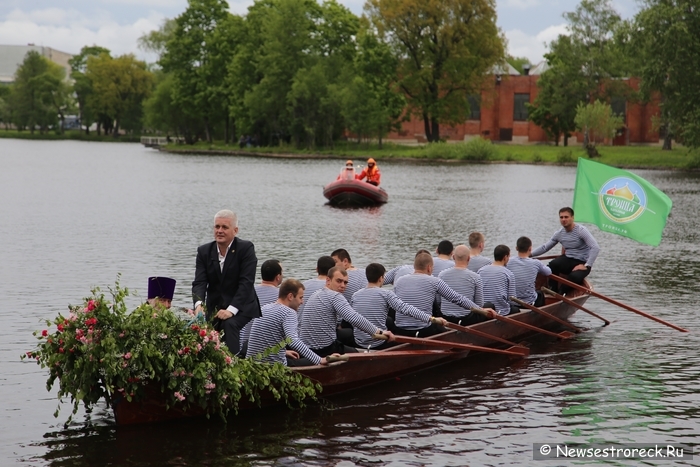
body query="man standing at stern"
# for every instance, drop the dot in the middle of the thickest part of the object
(224, 279)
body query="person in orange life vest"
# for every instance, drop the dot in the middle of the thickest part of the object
(371, 172)
(348, 173)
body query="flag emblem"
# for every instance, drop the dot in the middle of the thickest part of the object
(622, 199)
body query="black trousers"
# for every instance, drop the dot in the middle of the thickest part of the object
(565, 265)
(302, 361)
(513, 309)
(425, 332)
(232, 331)
(334, 347)
(471, 318)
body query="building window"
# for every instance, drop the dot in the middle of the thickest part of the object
(519, 108)
(618, 105)
(474, 107)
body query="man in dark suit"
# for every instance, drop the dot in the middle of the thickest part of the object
(224, 279)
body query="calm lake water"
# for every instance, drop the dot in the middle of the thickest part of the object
(74, 215)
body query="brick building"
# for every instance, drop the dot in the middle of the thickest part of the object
(501, 115)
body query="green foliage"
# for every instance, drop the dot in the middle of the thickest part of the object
(517, 62)
(82, 85)
(444, 50)
(39, 95)
(597, 120)
(565, 157)
(101, 350)
(537, 158)
(665, 39)
(476, 150)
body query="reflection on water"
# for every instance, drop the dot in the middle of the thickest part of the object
(75, 215)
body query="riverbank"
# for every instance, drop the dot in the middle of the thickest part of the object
(639, 157)
(73, 135)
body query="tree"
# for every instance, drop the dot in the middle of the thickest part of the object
(518, 62)
(119, 87)
(197, 55)
(666, 36)
(560, 90)
(444, 48)
(157, 41)
(597, 121)
(82, 86)
(40, 93)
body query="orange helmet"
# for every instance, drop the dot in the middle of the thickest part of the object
(349, 162)
(370, 161)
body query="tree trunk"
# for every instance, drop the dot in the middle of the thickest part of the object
(206, 129)
(435, 124)
(115, 131)
(428, 132)
(566, 139)
(380, 137)
(667, 141)
(226, 130)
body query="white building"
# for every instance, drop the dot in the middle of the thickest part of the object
(12, 56)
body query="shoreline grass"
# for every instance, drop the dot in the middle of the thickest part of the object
(644, 157)
(73, 135)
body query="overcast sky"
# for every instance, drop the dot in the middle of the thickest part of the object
(117, 24)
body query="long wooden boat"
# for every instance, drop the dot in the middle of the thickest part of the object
(371, 368)
(354, 193)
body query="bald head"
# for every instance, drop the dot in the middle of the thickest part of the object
(461, 256)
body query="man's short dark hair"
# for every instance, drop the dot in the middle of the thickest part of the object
(290, 286)
(341, 254)
(500, 252)
(374, 272)
(422, 250)
(270, 269)
(523, 244)
(445, 247)
(567, 209)
(323, 264)
(422, 261)
(475, 238)
(334, 269)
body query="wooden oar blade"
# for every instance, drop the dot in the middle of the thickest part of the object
(524, 351)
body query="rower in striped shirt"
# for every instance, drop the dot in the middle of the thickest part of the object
(580, 250)
(321, 313)
(394, 274)
(466, 283)
(525, 271)
(420, 289)
(267, 291)
(374, 303)
(477, 243)
(356, 277)
(499, 283)
(444, 257)
(323, 264)
(278, 323)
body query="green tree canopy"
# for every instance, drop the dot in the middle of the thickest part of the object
(444, 50)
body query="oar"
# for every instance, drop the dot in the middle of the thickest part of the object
(486, 335)
(513, 351)
(544, 313)
(615, 302)
(573, 303)
(546, 257)
(386, 354)
(560, 335)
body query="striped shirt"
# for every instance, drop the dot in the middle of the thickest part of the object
(579, 244)
(478, 262)
(310, 286)
(440, 265)
(396, 273)
(357, 280)
(419, 290)
(499, 284)
(525, 271)
(266, 294)
(278, 322)
(321, 314)
(373, 303)
(466, 283)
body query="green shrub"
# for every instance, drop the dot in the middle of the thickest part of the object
(477, 149)
(536, 158)
(565, 157)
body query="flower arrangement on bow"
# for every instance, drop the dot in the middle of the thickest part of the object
(102, 350)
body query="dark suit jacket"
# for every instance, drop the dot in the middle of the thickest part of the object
(234, 286)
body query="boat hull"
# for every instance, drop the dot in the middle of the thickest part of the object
(366, 369)
(354, 193)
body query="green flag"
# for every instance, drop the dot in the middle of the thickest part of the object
(620, 202)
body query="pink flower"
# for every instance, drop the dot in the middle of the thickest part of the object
(60, 328)
(60, 350)
(127, 355)
(229, 360)
(179, 396)
(45, 333)
(92, 304)
(199, 347)
(121, 334)
(202, 333)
